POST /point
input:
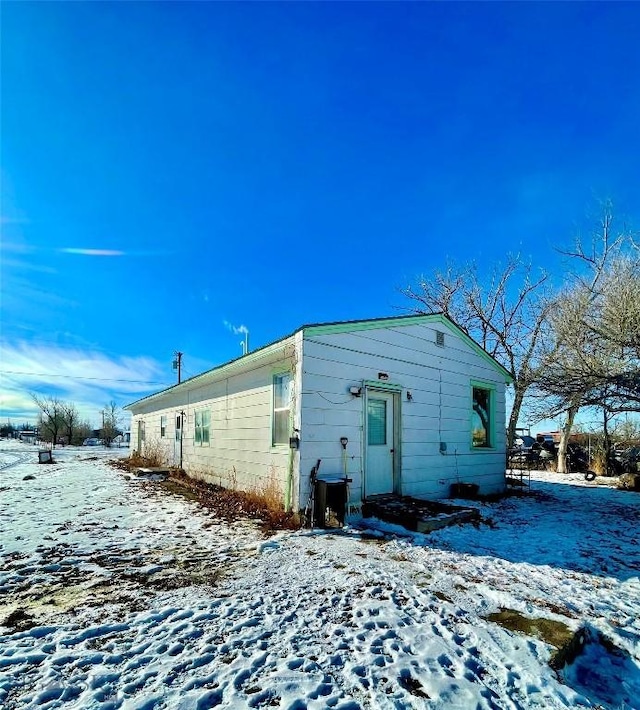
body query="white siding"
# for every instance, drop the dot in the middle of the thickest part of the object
(239, 397)
(439, 379)
(240, 452)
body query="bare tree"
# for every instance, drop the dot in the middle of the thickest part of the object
(110, 422)
(83, 431)
(51, 419)
(70, 420)
(506, 315)
(627, 431)
(592, 354)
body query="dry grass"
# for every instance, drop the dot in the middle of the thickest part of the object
(264, 504)
(555, 633)
(154, 456)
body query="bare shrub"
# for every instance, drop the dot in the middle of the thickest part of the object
(154, 456)
(269, 492)
(598, 463)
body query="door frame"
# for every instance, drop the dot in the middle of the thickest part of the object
(141, 435)
(373, 387)
(178, 444)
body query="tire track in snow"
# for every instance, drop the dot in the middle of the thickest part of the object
(17, 459)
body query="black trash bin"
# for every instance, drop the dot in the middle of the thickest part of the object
(330, 501)
(464, 490)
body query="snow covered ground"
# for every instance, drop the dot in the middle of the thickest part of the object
(120, 594)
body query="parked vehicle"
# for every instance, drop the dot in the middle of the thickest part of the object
(628, 459)
(577, 458)
(547, 452)
(92, 442)
(524, 452)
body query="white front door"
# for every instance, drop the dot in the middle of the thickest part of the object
(140, 436)
(177, 444)
(380, 444)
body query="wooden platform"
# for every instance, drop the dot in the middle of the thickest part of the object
(417, 515)
(158, 471)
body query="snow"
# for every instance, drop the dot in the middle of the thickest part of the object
(139, 599)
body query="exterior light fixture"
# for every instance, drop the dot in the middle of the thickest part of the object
(383, 376)
(355, 391)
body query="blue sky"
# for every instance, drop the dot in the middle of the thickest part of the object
(170, 169)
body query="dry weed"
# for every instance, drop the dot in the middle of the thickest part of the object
(263, 504)
(154, 456)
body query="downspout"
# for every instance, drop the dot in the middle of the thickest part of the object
(289, 484)
(363, 444)
(181, 435)
(184, 416)
(294, 420)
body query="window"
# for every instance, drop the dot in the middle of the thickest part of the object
(163, 426)
(377, 422)
(282, 392)
(481, 429)
(203, 422)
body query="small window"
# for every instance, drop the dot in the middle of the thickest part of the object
(163, 426)
(440, 338)
(202, 424)
(481, 433)
(377, 422)
(282, 392)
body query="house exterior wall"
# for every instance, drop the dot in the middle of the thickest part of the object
(440, 379)
(239, 398)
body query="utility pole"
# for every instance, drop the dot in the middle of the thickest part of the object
(177, 364)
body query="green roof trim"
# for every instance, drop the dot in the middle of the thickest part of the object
(353, 325)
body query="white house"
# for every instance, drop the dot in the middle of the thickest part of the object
(405, 405)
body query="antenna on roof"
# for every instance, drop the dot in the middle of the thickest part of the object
(245, 343)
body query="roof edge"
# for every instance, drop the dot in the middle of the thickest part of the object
(218, 369)
(326, 329)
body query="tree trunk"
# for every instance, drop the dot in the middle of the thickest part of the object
(564, 439)
(518, 398)
(606, 442)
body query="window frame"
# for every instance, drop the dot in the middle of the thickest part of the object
(275, 376)
(370, 429)
(202, 427)
(491, 432)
